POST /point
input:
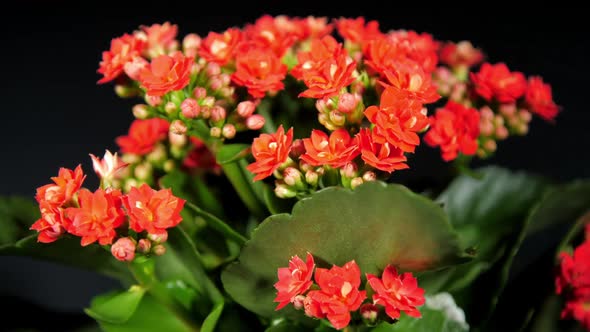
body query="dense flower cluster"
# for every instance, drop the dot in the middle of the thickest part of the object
(336, 293)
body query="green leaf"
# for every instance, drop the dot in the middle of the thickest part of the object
(376, 225)
(277, 205)
(211, 320)
(431, 321)
(149, 315)
(116, 307)
(229, 153)
(17, 214)
(283, 325)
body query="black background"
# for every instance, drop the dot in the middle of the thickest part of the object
(54, 114)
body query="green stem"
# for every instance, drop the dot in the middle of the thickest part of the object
(576, 228)
(219, 225)
(243, 188)
(264, 109)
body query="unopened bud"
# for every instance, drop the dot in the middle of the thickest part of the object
(369, 312)
(227, 91)
(498, 121)
(213, 69)
(311, 178)
(292, 177)
(228, 131)
(481, 153)
(143, 171)
(522, 128)
(320, 105)
(283, 191)
(304, 167)
(486, 113)
(225, 78)
(177, 140)
(508, 109)
(195, 67)
(369, 176)
(130, 183)
(347, 103)
(124, 249)
(525, 115)
(124, 91)
(297, 149)
(246, 108)
(323, 119)
(158, 154)
(490, 145)
(178, 127)
(153, 100)
(191, 41)
(349, 170)
(218, 114)
(159, 250)
(298, 302)
(169, 165)
(215, 83)
(158, 237)
(215, 132)
(170, 107)
(209, 101)
(255, 122)
(144, 246)
(337, 118)
(501, 133)
(200, 92)
(486, 128)
(190, 108)
(140, 111)
(205, 112)
(356, 182)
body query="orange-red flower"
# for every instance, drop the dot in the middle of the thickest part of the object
(455, 128)
(574, 273)
(259, 70)
(578, 309)
(383, 156)
(421, 48)
(338, 294)
(356, 31)
(409, 77)
(336, 150)
(143, 136)
(97, 216)
(293, 280)
(166, 73)
(63, 188)
(108, 166)
(397, 293)
(220, 48)
(124, 249)
(497, 81)
(270, 151)
(314, 27)
(51, 224)
(397, 120)
(460, 54)
(160, 36)
(123, 50)
(329, 77)
(539, 98)
(381, 54)
(152, 211)
(275, 34)
(320, 50)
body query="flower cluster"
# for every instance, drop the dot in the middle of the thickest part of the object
(335, 293)
(573, 280)
(106, 214)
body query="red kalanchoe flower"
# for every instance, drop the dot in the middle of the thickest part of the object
(455, 128)
(160, 36)
(272, 33)
(397, 293)
(166, 73)
(338, 294)
(108, 166)
(143, 136)
(460, 54)
(220, 48)
(270, 152)
(152, 210)
(383, 156)
(320, 50)
(421, 48)
(293, 280)
(336, 150)
(382, 54)
(410, 78)
(259, 70)
(123, 50)
(578, 309)
(497, 81)
(64, 186)
(574, 271)
(315, 27)
(97, 216)
(51, 224)
(329, 77)
(539, 98)
(124, 249)
(397, 120)
(356, 31)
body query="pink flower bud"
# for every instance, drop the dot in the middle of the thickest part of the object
(292, 176)
(132, 68)
(215, 83)
(369, 176)
(213, 69)
(304, 167)
(490, 145)
(255, 122)
(170, 107)
(486, 113)
(178, 127)
(349, 170)
(218, 114)
(158, 237)
(320, 105)
(153, 100)
(369, 312)
(191, 41)
(337, 118)
(311, 178)
(283, 191)
(225, 79)
(215, 132)
(498, 121)
(297, 149)
(177, 140)
(246, 108)
(298, 302)
(140, 111)
(190, 108)
(205, 112)
(209, 101)
(486, 128)
(356, 182)
(200, 92)
(144, 246)
(124, 249)
(525, 115)
(143, 171)
(508, 109)
(347, 103)
(228, 131)
(159, 250)
(501, 133)
(522, 128)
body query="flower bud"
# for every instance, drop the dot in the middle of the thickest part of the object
(508, 109)
(356, 182)
(304, 167)
(298, 302)
(130, 183)
(169, 165)
(498, 121)
(311, 178)
(213, 69)
(525, 115)
(490, 145)
(158, 154)
(158, 237)
(522, 128)
(195, 68)
(200, 92)
(140, 111)
(228, 131)
(349, 170)
(227, 91)
(170, 107)
(297, 149)
(134, 67)
(292, 177)
(190, 108)
(225, 79)
(153, 100)
(246, 108)
(124, 91)
(205, 112)
(218, 114)
(320, 105)
(501, 133)
(337, 118)
(144, 246)
(177, 140)
(486, 113)
(143, 171)
(124, 249)
(215, 83)
(283, 191)
(159, 250)
(347, 103)
(369, 176)
(215, 132)
(486, 128)
(369, 312)
(209, 101)
(255, 122)
(191, 41)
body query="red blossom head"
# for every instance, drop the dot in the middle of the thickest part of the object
(152, 210)
(275, 34)
(97, 216)
(539, 99)
(123, 50)
(220, 48)
(63, 188)
(336, 150)
(356, 31)
(160, 36)
(578, 309)
(498, 82)
(382, 156)
(327, 78)
(51, 224)
(143, 136)
(419, 47)
(410, 78)
(293, 280)
(320, 50)
(270, 152)
(460, 54)
(259, 70)
(166, 73)
(315, 27)
(397, 293)
(382, 54)
(455, 128)
(574, 274)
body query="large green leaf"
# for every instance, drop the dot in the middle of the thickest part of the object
(17, 214)
(116, 307)
(376, 225)
(211, 320)
(431, 321)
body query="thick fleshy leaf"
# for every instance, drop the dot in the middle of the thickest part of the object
(376, 225)
(431, 321)
(116, 307)
(17, 214)
(229, 153)
(211, 319)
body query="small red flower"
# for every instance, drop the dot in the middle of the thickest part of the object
(381, 54)
(259, 70)
(123, 50)
(320, 50)
(356, 31)
(152, 210)
(97, 216)
(578, 309)
(460, 54)
(539, 98)
(166, 73)
(270, 152)
(64, 186)
(329, 77)
(574, 271)
(220, 48)
(397, 293)
(455, 128)
(160, 36)
(51, 224)
(497, 81)
(315, 27)
(397, 120)
(419, 47)
(274, 34)
(143, 136)
(338, 294)
(293, 280)
(409, 77)
(336, 150)
(382, 156)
